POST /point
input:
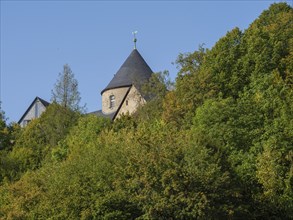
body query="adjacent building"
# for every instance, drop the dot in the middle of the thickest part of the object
(36, 108)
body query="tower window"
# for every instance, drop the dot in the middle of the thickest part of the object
(112, 101)
(126, 102)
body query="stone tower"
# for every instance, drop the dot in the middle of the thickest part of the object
(123, 93)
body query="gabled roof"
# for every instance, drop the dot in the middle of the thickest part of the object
(133, 71)
(45, 103)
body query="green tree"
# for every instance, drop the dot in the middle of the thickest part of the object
(154, 91)
(191, 89)
(269, 42)
(80, 187)
(8, 135)
(239, 105)
(218, 146)
(274, 162)
(223, 63)
(171, 176)
(66, 90)
(4, 131)
(34, 144)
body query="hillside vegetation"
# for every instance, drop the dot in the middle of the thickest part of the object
(217, 146)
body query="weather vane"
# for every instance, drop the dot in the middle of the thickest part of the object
(134, 39)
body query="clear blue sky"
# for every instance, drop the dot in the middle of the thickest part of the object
(95, 38)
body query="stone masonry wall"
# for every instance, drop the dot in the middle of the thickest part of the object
(131, 103)
(119, 94)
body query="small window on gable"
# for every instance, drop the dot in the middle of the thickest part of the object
(126, 102)
(112, 101)
(25, 122)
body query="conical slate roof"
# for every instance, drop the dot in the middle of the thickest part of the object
(133, 71)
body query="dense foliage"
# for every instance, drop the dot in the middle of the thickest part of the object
(217, 146)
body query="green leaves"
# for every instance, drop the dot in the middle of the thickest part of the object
(216, 146)
(34, 143)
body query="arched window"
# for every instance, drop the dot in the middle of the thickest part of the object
(112, 101)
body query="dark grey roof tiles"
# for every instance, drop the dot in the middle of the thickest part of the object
(45, 103)
(99, 113)
(133, 71)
